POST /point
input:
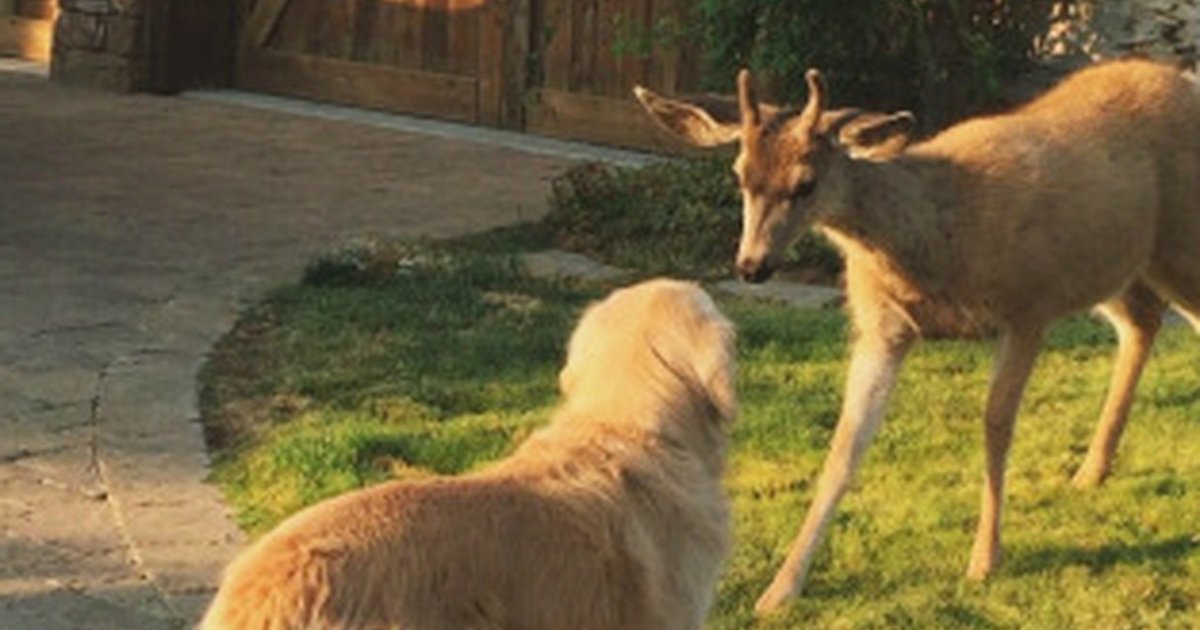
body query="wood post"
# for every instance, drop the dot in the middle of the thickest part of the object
(504, 46)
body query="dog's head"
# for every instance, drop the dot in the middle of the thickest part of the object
(662, 337)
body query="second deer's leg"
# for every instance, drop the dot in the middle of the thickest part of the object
(1137, 316)
(1018, 350)
(874, 365)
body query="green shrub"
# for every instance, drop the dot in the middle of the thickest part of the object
(940, 58)
(679, 217)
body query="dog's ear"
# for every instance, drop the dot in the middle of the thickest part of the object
(712, 353)
(566, 379)
(587, 342)
(578, 346)
(716, 367)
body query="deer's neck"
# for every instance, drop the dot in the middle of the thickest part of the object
(894, 214)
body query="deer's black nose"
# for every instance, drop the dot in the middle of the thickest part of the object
(753, 271)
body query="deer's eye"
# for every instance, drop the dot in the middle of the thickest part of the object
(804, 188)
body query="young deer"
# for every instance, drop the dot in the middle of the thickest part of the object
(1089, 195)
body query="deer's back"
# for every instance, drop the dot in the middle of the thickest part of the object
(1057, 205)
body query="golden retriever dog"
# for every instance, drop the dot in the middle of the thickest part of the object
(611, 516)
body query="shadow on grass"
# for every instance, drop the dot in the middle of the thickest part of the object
(962, 616)
(1100, 559)
(1176, 398)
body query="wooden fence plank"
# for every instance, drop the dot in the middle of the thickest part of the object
(576, 81)
(690, 57)
(30, 39)
(635, 64)
(409, 18)
(492, 28)
(262, 21)
(366, 17)
(386, 45)
(331, 31)
(516, 63)
(503, 50)
(663, 73)
(611, 22)
(555, 42)
(293, 27)
(598, 119)
(462, 39)
(435, 29)
(360, 84)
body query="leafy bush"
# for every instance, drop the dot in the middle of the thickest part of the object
(941, 58)
(680, 217)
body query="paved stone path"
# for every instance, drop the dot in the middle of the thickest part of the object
(132, 229)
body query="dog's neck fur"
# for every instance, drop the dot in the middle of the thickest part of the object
(663, 471)
(680, 420)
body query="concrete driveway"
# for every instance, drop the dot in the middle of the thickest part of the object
(132, 230)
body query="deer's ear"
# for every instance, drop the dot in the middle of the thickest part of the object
(692, 123)
(877, 136)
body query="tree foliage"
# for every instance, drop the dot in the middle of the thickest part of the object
(942, 58)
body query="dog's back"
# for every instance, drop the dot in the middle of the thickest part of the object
(594, 536)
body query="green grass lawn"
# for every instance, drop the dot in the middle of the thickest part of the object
(412, 362)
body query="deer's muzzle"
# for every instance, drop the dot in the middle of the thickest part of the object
(754, 271)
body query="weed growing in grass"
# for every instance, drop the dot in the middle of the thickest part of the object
(405, 361)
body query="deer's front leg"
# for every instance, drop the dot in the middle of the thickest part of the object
(874, 365)
(1018, 350)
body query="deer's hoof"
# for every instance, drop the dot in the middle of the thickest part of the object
(772, 600)
(983, 563)
(1088, 477)
(978, 573)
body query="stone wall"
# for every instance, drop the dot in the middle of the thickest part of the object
(1090, 30)
(102, 44)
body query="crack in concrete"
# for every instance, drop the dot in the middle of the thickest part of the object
(97, 467)
(42, 405)
(135, 556)
(93, 422)
(75, 328)
(25, 453)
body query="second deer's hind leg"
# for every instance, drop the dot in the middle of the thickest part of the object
(1137, 315)
(1018, 351)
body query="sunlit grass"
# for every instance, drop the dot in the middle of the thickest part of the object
(415, 363)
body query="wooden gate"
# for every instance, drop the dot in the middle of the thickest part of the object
(27, 28)
(556, 67)
(452, 59)
(592, 53)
